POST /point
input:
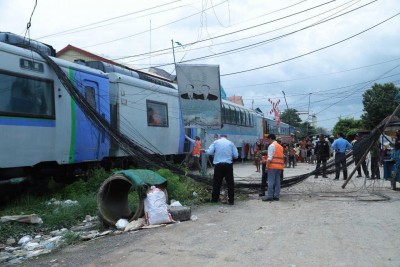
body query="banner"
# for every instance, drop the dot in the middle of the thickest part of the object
(199, 95)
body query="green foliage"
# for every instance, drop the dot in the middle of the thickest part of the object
(181, 188)
(291, 117)
(347, 126)
(176, 187)
(379, 102)
(81, 187)
(306, 129)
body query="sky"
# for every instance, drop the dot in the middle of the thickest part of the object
(315, 56)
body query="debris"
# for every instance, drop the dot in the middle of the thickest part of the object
(156, 208)
(180, 213)
(121, 224)
(24, 240)
(32, 218)
(135, 225)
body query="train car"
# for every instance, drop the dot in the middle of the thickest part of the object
(43, 131)
(282, 131)
(243, 126)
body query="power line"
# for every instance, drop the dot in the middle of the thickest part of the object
(240, 49)
(72, 30)
(313, 76)
(241, 30)
(167, 50)
(313, 51)
(156, 28)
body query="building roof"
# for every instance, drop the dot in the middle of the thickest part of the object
(236, 99)
(95, 57)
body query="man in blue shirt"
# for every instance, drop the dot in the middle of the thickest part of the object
(224, 152)
(340, 145)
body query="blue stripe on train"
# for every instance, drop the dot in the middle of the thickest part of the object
(27, 122)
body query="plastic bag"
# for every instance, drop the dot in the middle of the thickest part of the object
(156, 208)
(121, 224)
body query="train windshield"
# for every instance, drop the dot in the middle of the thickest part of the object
(26, 97)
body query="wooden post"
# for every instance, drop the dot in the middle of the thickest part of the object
(369, 148)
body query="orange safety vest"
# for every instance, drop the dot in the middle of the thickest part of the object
(277, 161)
(197, 148)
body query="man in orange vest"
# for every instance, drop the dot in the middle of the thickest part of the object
(195, 151)
(275, 165)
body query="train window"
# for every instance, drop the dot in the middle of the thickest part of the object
(237, 116)
(224, 114)
(157, 114)
(251, 120)
(230, 114)
(90, 96)
(23, 96)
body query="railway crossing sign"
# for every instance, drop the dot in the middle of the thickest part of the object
(275, 110)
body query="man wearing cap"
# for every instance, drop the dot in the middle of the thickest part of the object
(224, 152)
(357, 155)
(340, 145)
(274, 166)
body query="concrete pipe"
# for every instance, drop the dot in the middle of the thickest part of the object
(112, 200)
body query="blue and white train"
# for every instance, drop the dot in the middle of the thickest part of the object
(44, 133)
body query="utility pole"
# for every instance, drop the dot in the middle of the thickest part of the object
(308, 112)
(284, 96)
(173, 51)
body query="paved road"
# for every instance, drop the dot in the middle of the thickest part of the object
(315, 223)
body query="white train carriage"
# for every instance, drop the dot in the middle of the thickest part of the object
(146, 112)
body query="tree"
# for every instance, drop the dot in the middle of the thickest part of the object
(290, 117)
(378, 103)
(347, 126)
(306, 129)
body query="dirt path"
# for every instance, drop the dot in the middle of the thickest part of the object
(305, 228)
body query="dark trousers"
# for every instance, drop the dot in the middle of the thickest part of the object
(340, 164)
(264, 176)
(291, 161)
(221, 171)
(363, 165)
(375, 173)
(319, 160)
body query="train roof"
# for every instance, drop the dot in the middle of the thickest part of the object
(17, 40)
(109, 68)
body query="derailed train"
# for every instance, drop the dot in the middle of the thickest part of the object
(44, 133)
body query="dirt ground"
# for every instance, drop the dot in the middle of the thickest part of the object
(315, 223)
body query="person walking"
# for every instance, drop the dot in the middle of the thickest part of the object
(340, 145)
(357, 155)
(274, 166)
(264, 174)
(196, 151)
(322, 152)
(257, 155)
(375, 159)
(224, 152)
(292, 156)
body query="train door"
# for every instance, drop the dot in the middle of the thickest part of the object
(89, 142)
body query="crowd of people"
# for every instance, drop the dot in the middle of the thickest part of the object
(271, 156)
